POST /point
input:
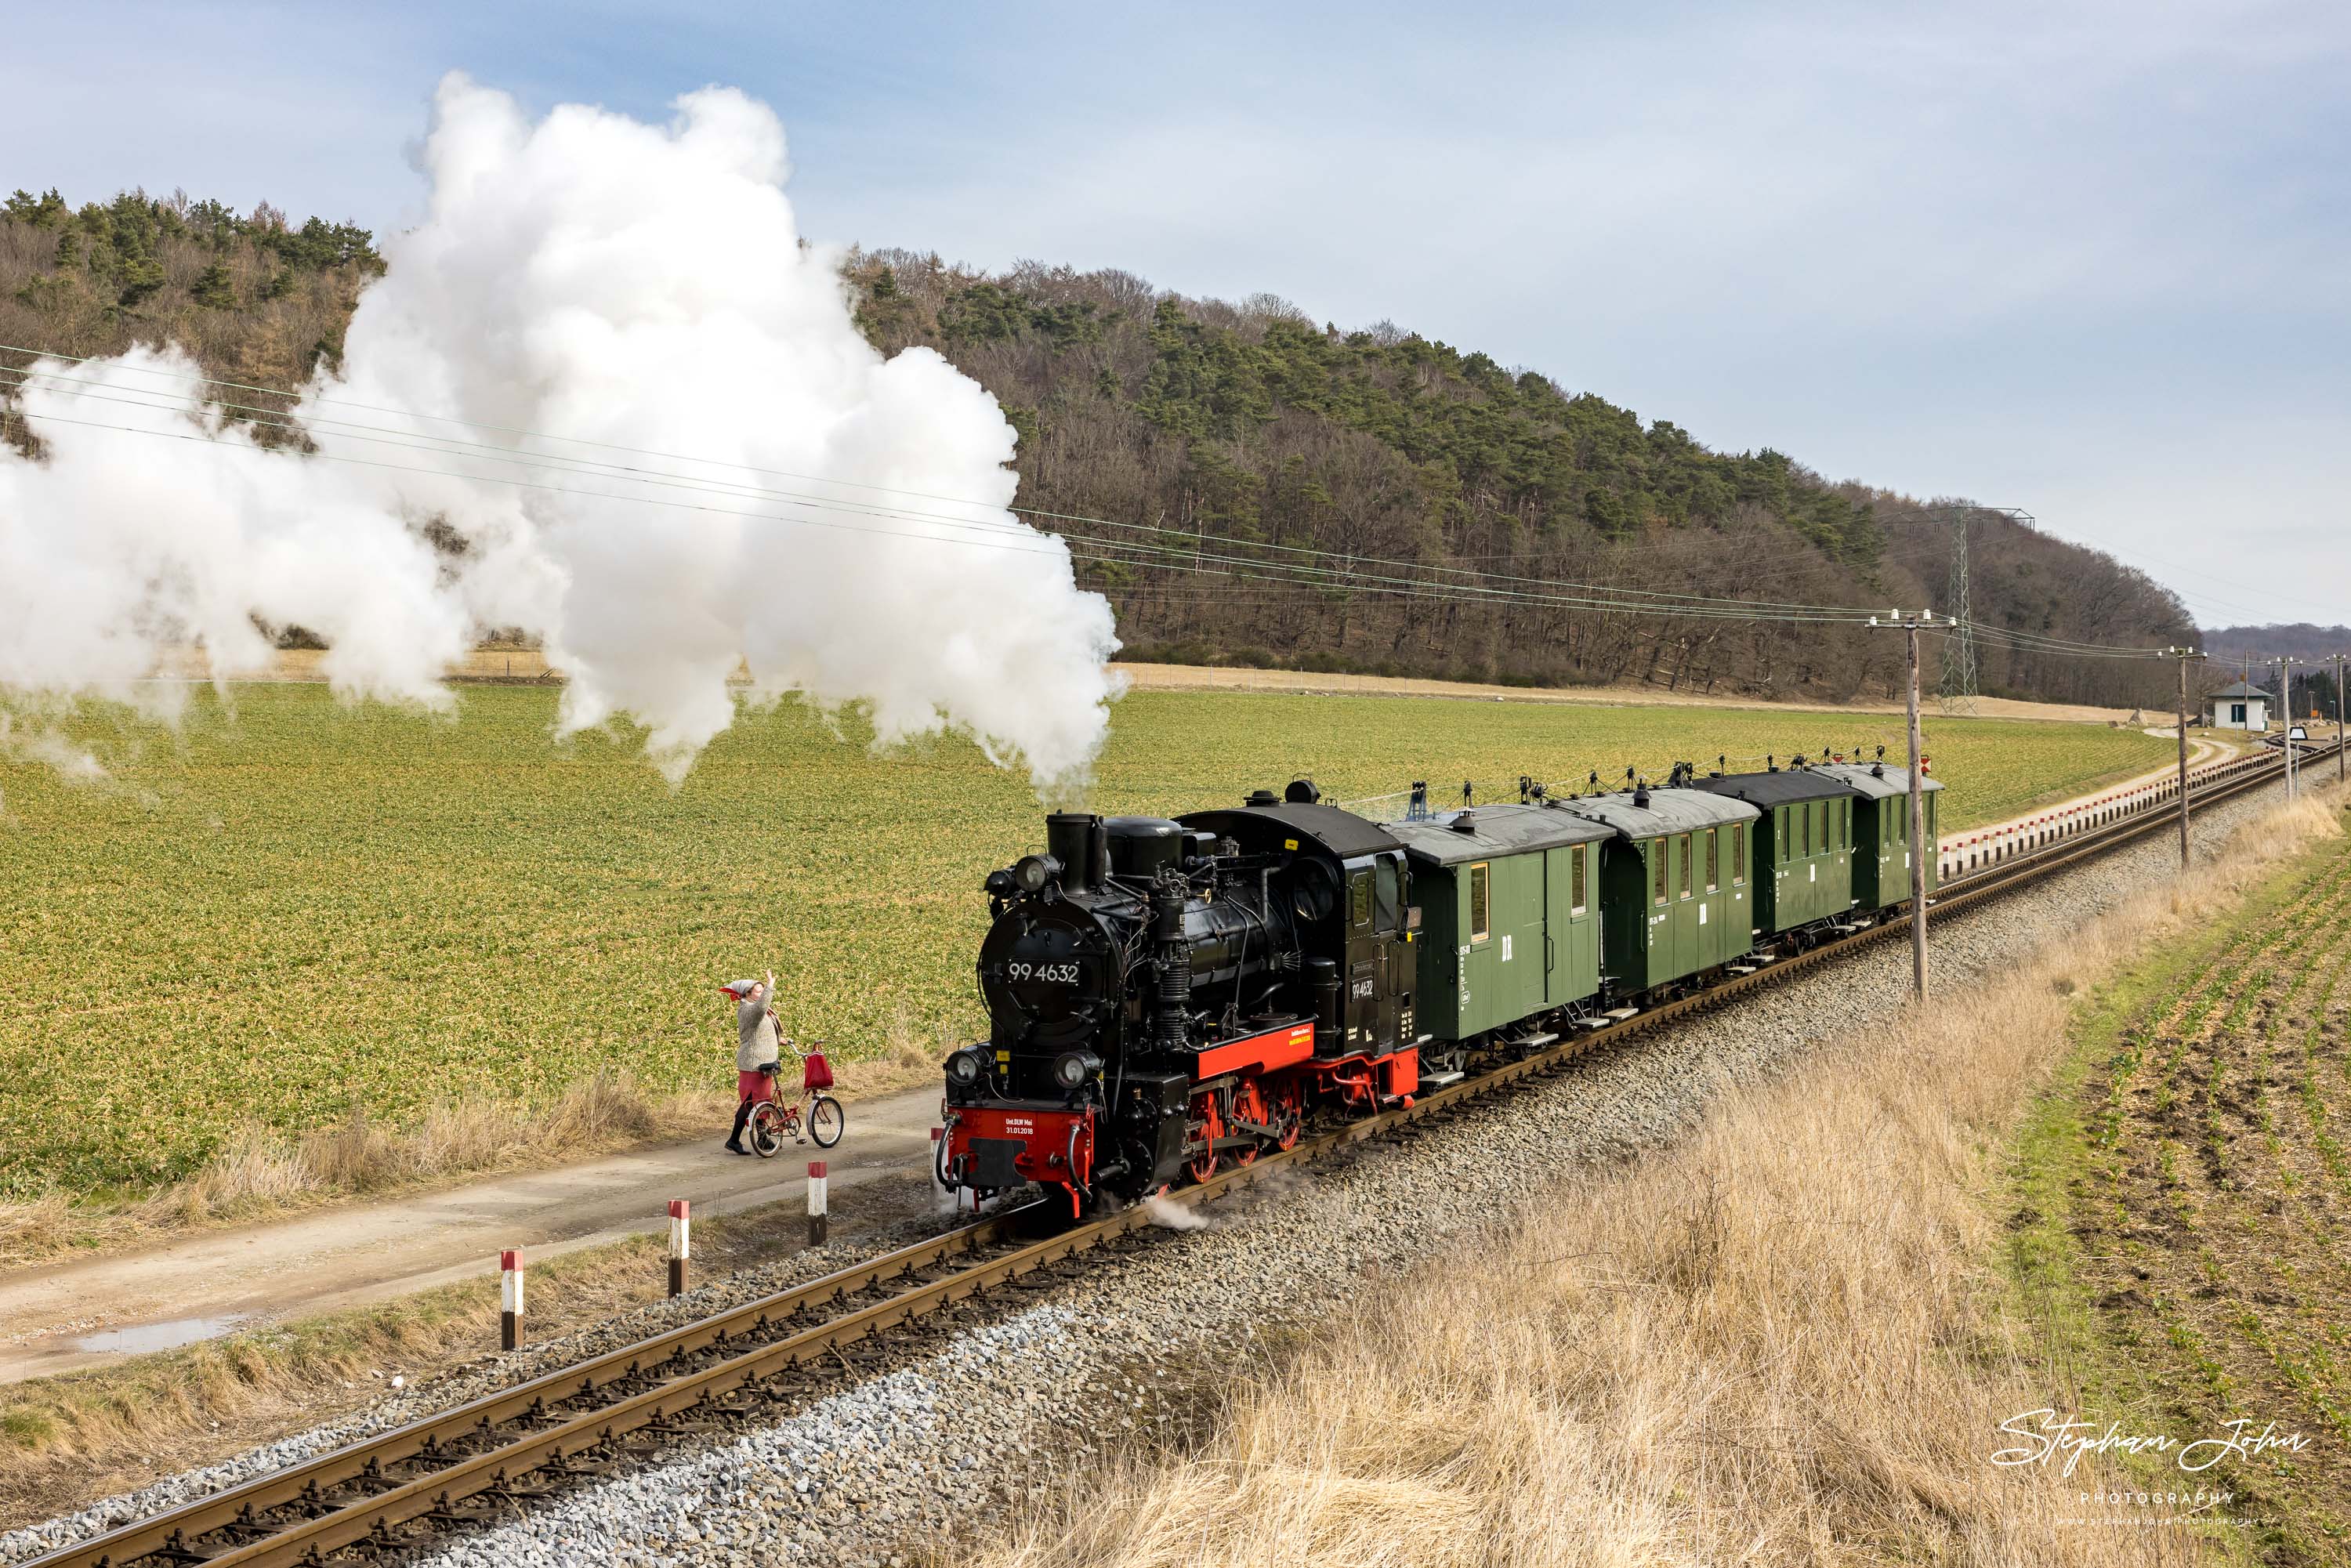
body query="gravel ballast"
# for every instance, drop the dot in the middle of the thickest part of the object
(871, 1473)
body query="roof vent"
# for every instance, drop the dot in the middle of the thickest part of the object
(1262, 797)
(1641, 795)
(1463, 822)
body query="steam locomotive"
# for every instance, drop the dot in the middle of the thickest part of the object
(1165, 996)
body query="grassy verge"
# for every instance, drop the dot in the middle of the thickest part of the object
(1788, 1339)
(2182, 1202)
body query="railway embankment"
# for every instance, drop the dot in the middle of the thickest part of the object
(1096, 1370)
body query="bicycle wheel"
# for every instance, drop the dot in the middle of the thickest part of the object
(826, 1121)
(765, 1130)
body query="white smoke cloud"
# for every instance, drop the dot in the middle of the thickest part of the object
(608, 281)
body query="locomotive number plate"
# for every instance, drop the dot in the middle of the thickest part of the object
(1043, 974)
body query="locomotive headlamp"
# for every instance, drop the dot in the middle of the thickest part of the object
(1034, 871)
(1072, 1068)
(964, 1067)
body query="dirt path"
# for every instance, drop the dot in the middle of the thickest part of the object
(62, 1316)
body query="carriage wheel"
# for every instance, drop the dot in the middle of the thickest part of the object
(1206, 1112)
(1249, 1105)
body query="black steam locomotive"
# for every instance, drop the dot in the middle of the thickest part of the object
(1165, 996)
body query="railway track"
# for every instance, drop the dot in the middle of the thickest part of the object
(403, 1491)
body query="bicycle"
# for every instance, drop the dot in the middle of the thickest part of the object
(824, 1121)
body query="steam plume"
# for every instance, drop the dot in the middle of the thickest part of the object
(610, 281)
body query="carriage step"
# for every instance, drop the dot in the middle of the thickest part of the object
(1742, 968)
(1592, 1023)
(1534, 1041)
(1439, 1080)
(1847, 928)
(1621, 1014)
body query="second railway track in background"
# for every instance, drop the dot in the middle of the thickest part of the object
(404, 1491)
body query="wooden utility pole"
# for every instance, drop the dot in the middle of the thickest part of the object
(1919, 848)
(2285, 700)
(2338, 718)
(2183, 655)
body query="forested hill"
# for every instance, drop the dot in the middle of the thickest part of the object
(1267, 448)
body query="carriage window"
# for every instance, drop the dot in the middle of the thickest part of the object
(1660, 846)
(1359, 894)
(1820, 824)
(1845, 815)
(1387, 891)
(1713, 865)
(1738, 853)
(1803, 831)
(1685, 865)
(1780, 827)
(1477, 901)
(1576, 879)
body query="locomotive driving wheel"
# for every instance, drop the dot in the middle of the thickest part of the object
(1287, 1106)
(1208, 1117)
(1248, 1106)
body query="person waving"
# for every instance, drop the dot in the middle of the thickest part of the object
(756, 1050)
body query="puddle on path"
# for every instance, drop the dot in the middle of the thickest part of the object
(137, 1339)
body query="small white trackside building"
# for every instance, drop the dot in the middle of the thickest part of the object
(2238, 707)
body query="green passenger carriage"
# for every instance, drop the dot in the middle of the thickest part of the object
(1509, 912)
(1881, 840)
(1802, 859)
(1674, 878)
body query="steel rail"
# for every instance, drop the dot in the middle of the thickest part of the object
(363, 1499)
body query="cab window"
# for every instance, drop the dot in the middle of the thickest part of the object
(1387, 892)
(1478, 874)
(1575, 878)
(1359, 894)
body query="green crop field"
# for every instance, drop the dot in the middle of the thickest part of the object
(275, 917)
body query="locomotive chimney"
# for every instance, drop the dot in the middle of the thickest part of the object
(1077, 841)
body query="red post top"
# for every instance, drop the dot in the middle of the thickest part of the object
(510, 1260)
(816, 1170)
(678, 1207)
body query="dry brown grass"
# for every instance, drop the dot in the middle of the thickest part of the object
(260, 1173)
(1781, 1341)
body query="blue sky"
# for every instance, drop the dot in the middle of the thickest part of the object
(2088, 260)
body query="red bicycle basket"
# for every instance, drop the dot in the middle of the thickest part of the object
(816, 1072)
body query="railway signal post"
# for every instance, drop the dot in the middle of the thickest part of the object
(681, 1220)
(509, 1299)
(2183, 655)
(1919, 848)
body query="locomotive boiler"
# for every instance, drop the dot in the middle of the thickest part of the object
(1167, 995)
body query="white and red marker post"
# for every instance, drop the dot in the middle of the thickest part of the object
(509, 1299)
(816, 1203)
(680, 1222)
